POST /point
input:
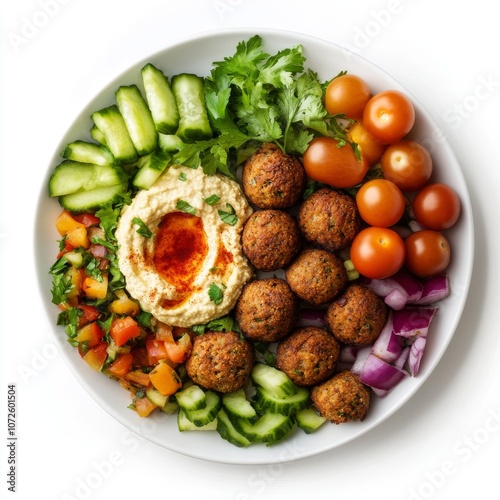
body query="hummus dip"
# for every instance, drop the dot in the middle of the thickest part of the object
(190, 269)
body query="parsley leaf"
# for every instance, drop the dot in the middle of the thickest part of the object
(216, 293)
(61, 286)
(143, 230)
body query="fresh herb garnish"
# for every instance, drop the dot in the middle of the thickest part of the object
(184, 206)
(216, 293)
(228, 217)
(143, 230)
(212, 200)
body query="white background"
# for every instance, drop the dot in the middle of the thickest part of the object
(56, 55)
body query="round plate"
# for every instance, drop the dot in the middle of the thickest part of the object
(196, 56)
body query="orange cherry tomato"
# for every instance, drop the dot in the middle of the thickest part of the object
(347, 94)
(369, 147)
(436, 206)
(427, 253)
(377, 252)
(380, 202)
(389, 116)
(325, 160)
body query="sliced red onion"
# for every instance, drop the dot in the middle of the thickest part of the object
(379, 374)
(379, 392)
(416, 353)
(403, 357)
(309, 316)
(413, 321)
(361, 357)
(435, 289)
(388, 345)
(348, 354)
(98, 251)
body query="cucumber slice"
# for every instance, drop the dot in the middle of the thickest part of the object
(308, 420)
(184, 424)
(289, 405)
(170, 407)
(169, 143)
(206, 415)
(156, 397)
(273, 380)
(150, 168)
(160, 99)
(270, 428)
(138, 119)
(237, 404)
(89, 201)
(227, 431)
(189, 94)
(87, 152)
(191, 398)
(98, 136)
(116, 136)
(71, 176)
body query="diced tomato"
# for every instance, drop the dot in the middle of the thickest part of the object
(177, 352)
(138, 377)
(95, 289)
(65, 222)
(96, 357)
(87, 219)
(179, 331)
(124, 329)
(124, 305)
(144, 407)
(165, 379)
(164, 332)
(68, 247)
(90, 334)
(140, 357)
(77, 277)
(156, 350)
(78, 237)
(90, 313)
(121, 365)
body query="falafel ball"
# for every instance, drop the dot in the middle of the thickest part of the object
(317, 276)
(308, 355)
(267, 309)
(273, 179)
(270, 239)
(357, 316)
(342, 398)
(220, 361)
(329, 218)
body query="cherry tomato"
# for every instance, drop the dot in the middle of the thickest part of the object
(408, 164)
(369, 147)
(427, 253)
(380, 202)
(436, 206)
(347, 94)
(389, 116)
(377, 252)
(328, 162)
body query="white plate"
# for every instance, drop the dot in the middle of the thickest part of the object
(196, 55)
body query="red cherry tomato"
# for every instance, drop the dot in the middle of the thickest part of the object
(427, 253)
(377, 252)
(436, 206)
(347, 94)
(328, 162)
(380, 202)
(389, 116)
(408, 164)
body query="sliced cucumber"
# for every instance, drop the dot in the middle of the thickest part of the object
(160, 99)
(184, 424)
(98, 136)
(156, 397)
(71, 176)
(189, 95)
(289, 405)
(237, 404)
(89, 201)
(150, 168)
(206, 415)
(116, 136)
(273, 380)
(308, 420)
(169, 142)
(191, 398)
(88, 152)
(227, 431)
(138, 119)
(171, 406)
(270, 428)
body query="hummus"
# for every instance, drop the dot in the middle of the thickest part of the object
(189, 268)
